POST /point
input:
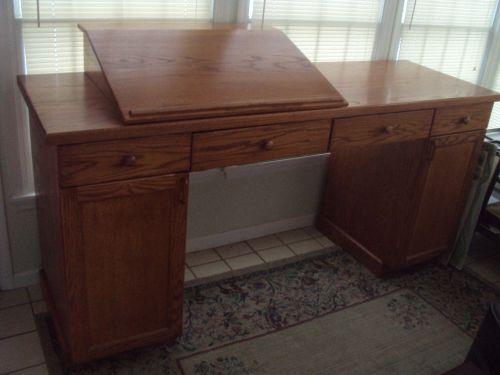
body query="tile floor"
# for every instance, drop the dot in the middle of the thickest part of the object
(256, 252)
(20, 349)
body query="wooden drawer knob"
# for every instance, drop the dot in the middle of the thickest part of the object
(465, 120)
(268, 145)
(129, 160)
(389, 129)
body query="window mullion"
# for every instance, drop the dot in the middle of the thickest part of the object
(388, 31)
(491, 58)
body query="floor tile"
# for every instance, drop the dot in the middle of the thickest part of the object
(210, 269)
(234, 250)
(266, 242)
(201, 257)
(276, 253)
(482, 271)
(304, 247)
(188, 275)
(39, 307)
(36, 370)
(13, 297)
(19, 352)
(35, 292)
(325, 241)
(313, 232)
(16, 320)
(244, 261)
(293, 236)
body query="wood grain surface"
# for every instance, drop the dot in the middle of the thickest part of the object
(447, 182)
(72, 109)
(91, 163)
(386, 128)
(124, 263)
(158, 75)
(457, 119)
(242, 146)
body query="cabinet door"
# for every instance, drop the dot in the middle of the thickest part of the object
(124, 263)
(448, 179)
(373, 183)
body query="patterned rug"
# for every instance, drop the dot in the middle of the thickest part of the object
(240, 308)
(398, 333)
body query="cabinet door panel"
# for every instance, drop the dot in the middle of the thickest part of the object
(447, 184)
(370, 195)
(125, 245)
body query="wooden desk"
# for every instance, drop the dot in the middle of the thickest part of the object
(112, 197)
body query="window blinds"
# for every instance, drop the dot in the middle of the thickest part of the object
(57, 46)
(447, 35)
(495, 114)
(325, 30)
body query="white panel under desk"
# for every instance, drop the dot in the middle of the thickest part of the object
(241, 202)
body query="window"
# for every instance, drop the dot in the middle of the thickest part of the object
(325, 30)
(447, 35)
(57, 45)
(495, 114)
(452, 36)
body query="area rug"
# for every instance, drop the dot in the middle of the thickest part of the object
(223, 315)
(398, 333)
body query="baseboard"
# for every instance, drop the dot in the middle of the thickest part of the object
(225, 238)
(27, 278)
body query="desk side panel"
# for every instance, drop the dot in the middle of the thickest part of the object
(49, 227)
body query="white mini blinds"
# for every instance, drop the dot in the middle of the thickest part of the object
(325, 30)
(447, 35)
(57, 45)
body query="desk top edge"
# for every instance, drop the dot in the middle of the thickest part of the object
(370, 87)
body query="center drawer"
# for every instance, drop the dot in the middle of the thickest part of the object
(91, 163)
(222, 148)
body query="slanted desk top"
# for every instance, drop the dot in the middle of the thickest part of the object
(163, 75)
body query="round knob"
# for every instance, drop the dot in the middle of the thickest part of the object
(465, 120)
(389, 128)
(268, 145)
(129, 160)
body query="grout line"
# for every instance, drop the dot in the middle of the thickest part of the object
(24, 368)
(17, 334)
(16, 305)
(227, 264)
(257, 253)
(202, 264)
(293, 252)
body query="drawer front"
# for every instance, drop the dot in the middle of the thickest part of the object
(461, 118)
(384, 128)
(91, 163)
(249, 145)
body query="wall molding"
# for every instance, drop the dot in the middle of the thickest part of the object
(247, 233)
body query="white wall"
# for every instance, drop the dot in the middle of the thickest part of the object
(15, 169)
